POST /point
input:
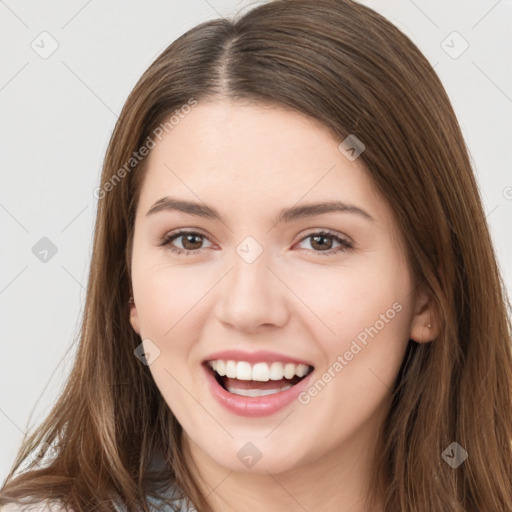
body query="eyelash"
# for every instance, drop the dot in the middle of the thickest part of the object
(345, 245)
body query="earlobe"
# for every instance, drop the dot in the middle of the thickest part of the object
(134, 318)
(423, 333)
(424, 324)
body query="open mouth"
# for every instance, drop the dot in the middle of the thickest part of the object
(257, 379)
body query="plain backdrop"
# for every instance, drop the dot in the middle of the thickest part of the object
(66, 68)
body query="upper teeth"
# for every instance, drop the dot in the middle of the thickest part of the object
(263, 372)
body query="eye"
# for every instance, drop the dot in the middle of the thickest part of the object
(321, 239)
(191, 242)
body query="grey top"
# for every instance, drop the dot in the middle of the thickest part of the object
(172, 494)
(179, 505)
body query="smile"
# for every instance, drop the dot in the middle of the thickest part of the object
(257, 379)
(260, 386)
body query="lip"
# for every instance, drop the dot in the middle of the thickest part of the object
(259, 356)
(254, 406)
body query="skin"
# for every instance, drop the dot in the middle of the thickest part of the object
(249, 161)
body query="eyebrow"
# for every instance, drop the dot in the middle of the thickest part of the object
(286, 215)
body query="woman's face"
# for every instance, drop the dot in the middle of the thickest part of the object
(269, 283)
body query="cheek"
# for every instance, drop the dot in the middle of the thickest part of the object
(348, 300)
(370, 318)
(369, 310)
(171, 310)
(168, 305)
(166, 295)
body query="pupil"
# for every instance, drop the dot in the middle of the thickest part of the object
(321, 237)
(191, 237)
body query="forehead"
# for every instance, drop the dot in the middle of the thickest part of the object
(253, 155)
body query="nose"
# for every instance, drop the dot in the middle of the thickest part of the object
(252, 297)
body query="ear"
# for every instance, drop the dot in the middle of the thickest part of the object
(424, 316)
(134, 317)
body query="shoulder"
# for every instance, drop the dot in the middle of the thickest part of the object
(43, 506)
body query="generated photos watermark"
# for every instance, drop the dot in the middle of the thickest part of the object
(357, 345)
(149, 144)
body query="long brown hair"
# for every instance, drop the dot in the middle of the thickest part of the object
(345, 65)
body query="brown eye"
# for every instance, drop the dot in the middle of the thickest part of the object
(322, 243)
(190, 242)
(319, 242)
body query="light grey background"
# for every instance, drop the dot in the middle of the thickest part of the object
(57, 115)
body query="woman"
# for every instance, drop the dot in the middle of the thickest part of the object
(293, 303)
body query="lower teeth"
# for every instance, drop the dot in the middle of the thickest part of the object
(255, 392)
